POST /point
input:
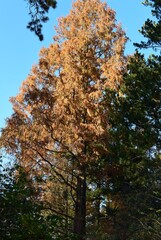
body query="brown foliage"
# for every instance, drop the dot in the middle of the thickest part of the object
(60, 116)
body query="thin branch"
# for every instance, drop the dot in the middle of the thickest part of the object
(57, 212)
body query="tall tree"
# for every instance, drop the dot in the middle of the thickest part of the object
(60, 123)
(135, 151)
(135, 147)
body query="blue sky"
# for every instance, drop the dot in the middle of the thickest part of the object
(19, 48)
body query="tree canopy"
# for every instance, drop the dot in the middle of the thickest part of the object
(151, 28)
(60, 124)
(85, 133)
(135, 150)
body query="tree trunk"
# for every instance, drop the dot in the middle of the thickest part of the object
(80, 208)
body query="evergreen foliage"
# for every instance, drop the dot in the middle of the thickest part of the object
(152, 28)
(38, 10)
(135, 150)
(21, 212)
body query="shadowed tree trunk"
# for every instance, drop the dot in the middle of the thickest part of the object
(80, 207)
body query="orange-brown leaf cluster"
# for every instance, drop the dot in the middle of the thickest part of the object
(61, 113)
